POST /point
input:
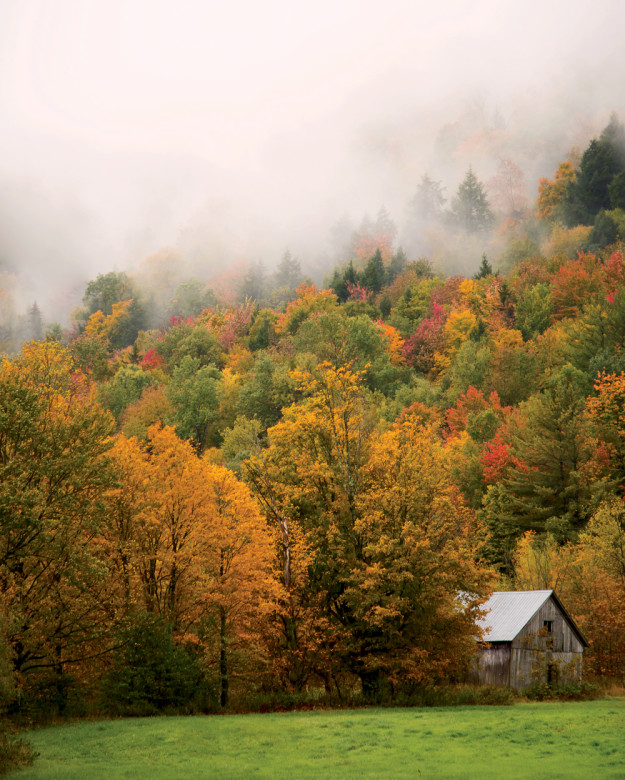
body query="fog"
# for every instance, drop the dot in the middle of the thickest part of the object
(233, 131)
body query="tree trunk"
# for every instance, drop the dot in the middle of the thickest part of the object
(223, 659)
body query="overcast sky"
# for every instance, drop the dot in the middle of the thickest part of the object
(121, 120)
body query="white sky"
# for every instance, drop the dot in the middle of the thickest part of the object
(119, 118)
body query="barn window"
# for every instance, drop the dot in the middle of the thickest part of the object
(548, 626)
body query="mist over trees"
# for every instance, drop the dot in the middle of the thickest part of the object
(261, 486)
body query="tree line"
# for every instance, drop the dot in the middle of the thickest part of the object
(254, 499)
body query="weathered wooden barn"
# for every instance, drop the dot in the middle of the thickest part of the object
(528, 637)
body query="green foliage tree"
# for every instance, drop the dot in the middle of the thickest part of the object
(194, 392)
(123, 389)
(341, 279)
(288, 273)
(351, 342)
(191, 298)
(470, 367)
(605, 232)
(268, 389)
(263, 330)
(554, 487)
(429, 200)
(616, 191)
(533, 311)
(151, 673)
(105, 290)
(35, 323)
(396, 266)
(597, 168)
(186, 339)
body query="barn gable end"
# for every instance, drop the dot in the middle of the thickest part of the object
(531, 638)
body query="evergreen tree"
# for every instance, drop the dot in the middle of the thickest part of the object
(35, 325)
(604, 232)
(254, 283)
(485, 268)
(597, 169)
(289, 272)
(601, 163)
(396, 266)
(427, 204)
(340, 280)
(384, 227)
(470, 209)
(551, 488)
(616, 191)
(374, 274)
(613, 135)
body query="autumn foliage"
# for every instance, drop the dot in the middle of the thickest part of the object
(319, 490)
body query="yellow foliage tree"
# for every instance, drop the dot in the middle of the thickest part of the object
(53, 438)
(552, 192)
(386, 534)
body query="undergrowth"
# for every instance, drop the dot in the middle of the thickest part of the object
(15, 752)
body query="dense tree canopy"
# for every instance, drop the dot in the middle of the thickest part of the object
(293, 490)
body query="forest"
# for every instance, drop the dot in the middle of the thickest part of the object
(217, 490)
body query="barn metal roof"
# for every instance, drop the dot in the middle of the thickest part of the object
(509, 611)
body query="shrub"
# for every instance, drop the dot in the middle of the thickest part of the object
(151, 673)
(571, 691)
(14, 751)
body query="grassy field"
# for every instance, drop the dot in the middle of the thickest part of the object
(547, 740)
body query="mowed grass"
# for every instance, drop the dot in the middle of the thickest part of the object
(546, 740)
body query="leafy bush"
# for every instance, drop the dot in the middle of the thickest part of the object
(152, 674)
(571, 691)
(14, 751)
(454, 696)
(404, 696)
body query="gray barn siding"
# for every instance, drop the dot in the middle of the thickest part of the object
(534, 655)
(533, 649)
(492, 665)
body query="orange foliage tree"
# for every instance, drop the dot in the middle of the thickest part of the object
(606, 410)
(552, 192)
(575, 284)
(186, 541)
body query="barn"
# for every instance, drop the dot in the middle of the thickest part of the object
(528, 638)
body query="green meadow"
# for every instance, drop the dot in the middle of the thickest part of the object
(551, 740)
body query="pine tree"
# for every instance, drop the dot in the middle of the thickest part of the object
(551, 488)
(374, 274)
(427, 204)
(35, 325)
(254, 283)
(470, 209)
(397, 265)
(601, 163)
(289, 271)
(485, 268)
